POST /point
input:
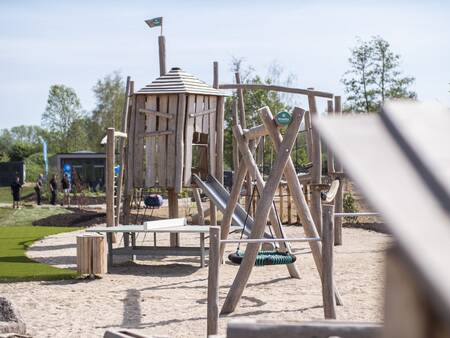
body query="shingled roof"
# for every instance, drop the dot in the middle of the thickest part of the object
(176, 81)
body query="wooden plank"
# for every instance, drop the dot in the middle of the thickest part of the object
(206, 117)
(156, 112)
(157, 134)
(199, 107)
(215, 74)
(303, 211)
(326, 329)
(171, 142)
(329, 301)
(281, 199)
(150, 143)
(316, 171)
(188, 140)
(220, 126)
(180, 139)
(234, 120)
(262, 213)
(256, 132)
(213, 281)
(162, 141)
(282, 89)
(202, 113)
(139, 172)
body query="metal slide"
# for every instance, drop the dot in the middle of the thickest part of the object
(220, 196)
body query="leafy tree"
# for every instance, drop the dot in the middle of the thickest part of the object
(6, 142)
(63, 109)
(255, 99)
(374, 76)
(110, 94)
(20, 151)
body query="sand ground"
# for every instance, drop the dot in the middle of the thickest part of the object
(168, 296)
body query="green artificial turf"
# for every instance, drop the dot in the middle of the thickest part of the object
(16, 234)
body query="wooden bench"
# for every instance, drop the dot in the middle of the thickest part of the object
(176, 225)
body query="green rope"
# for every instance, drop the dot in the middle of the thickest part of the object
(264, 258)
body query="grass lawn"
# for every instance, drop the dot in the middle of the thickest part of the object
(16, 234)
(6, 197)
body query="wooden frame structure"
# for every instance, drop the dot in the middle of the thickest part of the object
(265, 210)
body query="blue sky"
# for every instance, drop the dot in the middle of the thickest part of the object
(77, 42)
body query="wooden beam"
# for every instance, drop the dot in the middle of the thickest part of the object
(316, 329)
(262, 212)
(330, 156)
(156, 112)
(316, 171)
(329, 301)
(308, 92)
(204, 112)
(255, 132)
(157, 133)
(339, 199)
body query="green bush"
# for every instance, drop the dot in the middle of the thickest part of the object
(20, 151)
(350, 206)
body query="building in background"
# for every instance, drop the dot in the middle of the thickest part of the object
(89, 166)
(9, 170)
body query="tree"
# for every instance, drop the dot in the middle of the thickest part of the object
(20, 151)
(255, 99)
(110, 94)
(63, 109)
(374, 76)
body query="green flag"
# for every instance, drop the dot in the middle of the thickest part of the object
(154, 22)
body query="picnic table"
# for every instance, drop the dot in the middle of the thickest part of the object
(177, 225)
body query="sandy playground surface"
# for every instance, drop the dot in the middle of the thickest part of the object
(168, 296)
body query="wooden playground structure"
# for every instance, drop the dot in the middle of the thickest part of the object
(172, 138)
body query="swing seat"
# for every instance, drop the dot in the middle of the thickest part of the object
(153, 201)
(264, 258)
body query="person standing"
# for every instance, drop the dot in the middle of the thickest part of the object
(15, 191)
(38, 188)
(65, 184)
(53, 189)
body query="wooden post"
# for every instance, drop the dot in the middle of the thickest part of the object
(316, 171)
(162, 55)
(122, 142)
(243, 123)
(110, 160)
(339, 199)
(127, 191)
(213, 281)
(280, 193)
(262, 212)
(295, 187)
(308, 138)
(220, 138)
(330, 157)
(198, 202)
(231, 205)
(329, 301)
(289, 206)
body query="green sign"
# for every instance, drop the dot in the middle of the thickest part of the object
(283, 118)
